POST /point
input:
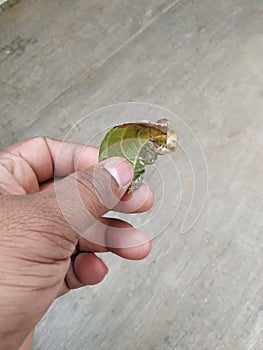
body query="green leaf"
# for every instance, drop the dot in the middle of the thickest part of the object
(140, 143)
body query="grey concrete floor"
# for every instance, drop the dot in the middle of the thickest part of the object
(201, 63)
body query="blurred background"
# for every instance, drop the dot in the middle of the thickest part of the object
(73, 69)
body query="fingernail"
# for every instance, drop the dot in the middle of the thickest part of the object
(120, 169)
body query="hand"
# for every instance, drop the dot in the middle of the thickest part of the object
(50, 230)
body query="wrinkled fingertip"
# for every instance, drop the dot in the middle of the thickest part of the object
(139, 201)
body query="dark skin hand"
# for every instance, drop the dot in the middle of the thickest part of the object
(51, 231)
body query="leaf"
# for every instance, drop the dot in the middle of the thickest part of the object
(140, 143)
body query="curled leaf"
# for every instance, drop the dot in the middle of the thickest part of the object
(140, 143)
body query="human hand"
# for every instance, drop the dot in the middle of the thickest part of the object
(50, 232)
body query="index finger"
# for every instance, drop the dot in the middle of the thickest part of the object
(48, 157)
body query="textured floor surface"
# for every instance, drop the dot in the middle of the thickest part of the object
(200, 61)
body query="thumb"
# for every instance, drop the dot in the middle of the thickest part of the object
(84, 196)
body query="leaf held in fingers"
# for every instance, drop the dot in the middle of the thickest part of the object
(140, 143)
